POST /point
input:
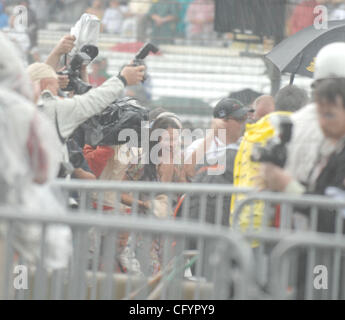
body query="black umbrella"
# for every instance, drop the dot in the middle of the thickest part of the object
(296, 54)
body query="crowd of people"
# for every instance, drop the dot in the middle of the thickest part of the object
(165, 20)
(161, 21)
(219, 157)
(38, 123)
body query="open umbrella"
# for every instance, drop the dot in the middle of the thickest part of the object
(297, 53)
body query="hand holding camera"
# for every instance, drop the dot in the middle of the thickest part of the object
(133, 74)
(139, 64)
(63, 79)
(274, 178)
(275, 150)
(77, 65)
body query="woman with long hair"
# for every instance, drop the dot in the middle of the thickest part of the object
(157, 164)
(161, 166)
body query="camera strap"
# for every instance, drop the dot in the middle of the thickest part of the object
(62, 140)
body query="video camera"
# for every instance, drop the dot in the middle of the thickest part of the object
(86, 55)
(275, 150)
(104, 128)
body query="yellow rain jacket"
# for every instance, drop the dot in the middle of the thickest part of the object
(246, 170)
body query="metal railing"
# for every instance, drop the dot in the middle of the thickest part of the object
(317, 271)
(197, 261)
(312, 207)
(202, 257)
(195, 205)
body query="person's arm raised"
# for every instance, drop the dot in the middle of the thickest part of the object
(73, 112)
(65, 45)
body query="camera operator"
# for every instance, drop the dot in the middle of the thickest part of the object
(65, 46)
(327, 114)
(68, 114)
(329, 167)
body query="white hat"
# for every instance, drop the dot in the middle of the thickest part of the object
(38, 71)
(330, 62)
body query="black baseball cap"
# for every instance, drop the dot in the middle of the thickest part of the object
(233, 108)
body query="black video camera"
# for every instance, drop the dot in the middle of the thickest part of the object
(87, 54)
(275, 150)
(104, 128)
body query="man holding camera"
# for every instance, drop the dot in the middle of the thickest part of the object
(328, 168)
(67, 114)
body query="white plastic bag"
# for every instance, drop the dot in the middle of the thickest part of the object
(86, 31)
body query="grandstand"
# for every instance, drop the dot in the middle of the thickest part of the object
(187, 75)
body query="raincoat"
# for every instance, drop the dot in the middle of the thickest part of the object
(27, 158)
(246, 170)
(28, 162)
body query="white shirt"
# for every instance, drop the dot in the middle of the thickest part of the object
(216, 150)
(113, 19)
(307, 143)
(72, 112)
(139, 6)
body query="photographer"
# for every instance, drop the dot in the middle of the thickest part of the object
(68, 114)
(329, 167)
(65, 46)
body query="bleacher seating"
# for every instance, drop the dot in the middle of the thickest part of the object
(187, 72)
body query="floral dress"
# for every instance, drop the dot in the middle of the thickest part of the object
(136, 172)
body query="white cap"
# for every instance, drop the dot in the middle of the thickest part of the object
(38, 71)
(330, 62)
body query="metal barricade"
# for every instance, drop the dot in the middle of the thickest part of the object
(291, 221)
(320, 267)
(289, 206)
(198, 202)
(300, 265)
(263, 240)
(197, 261)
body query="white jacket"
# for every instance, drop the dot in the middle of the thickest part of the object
(72, 112)
(307, 145)
(21, 123)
